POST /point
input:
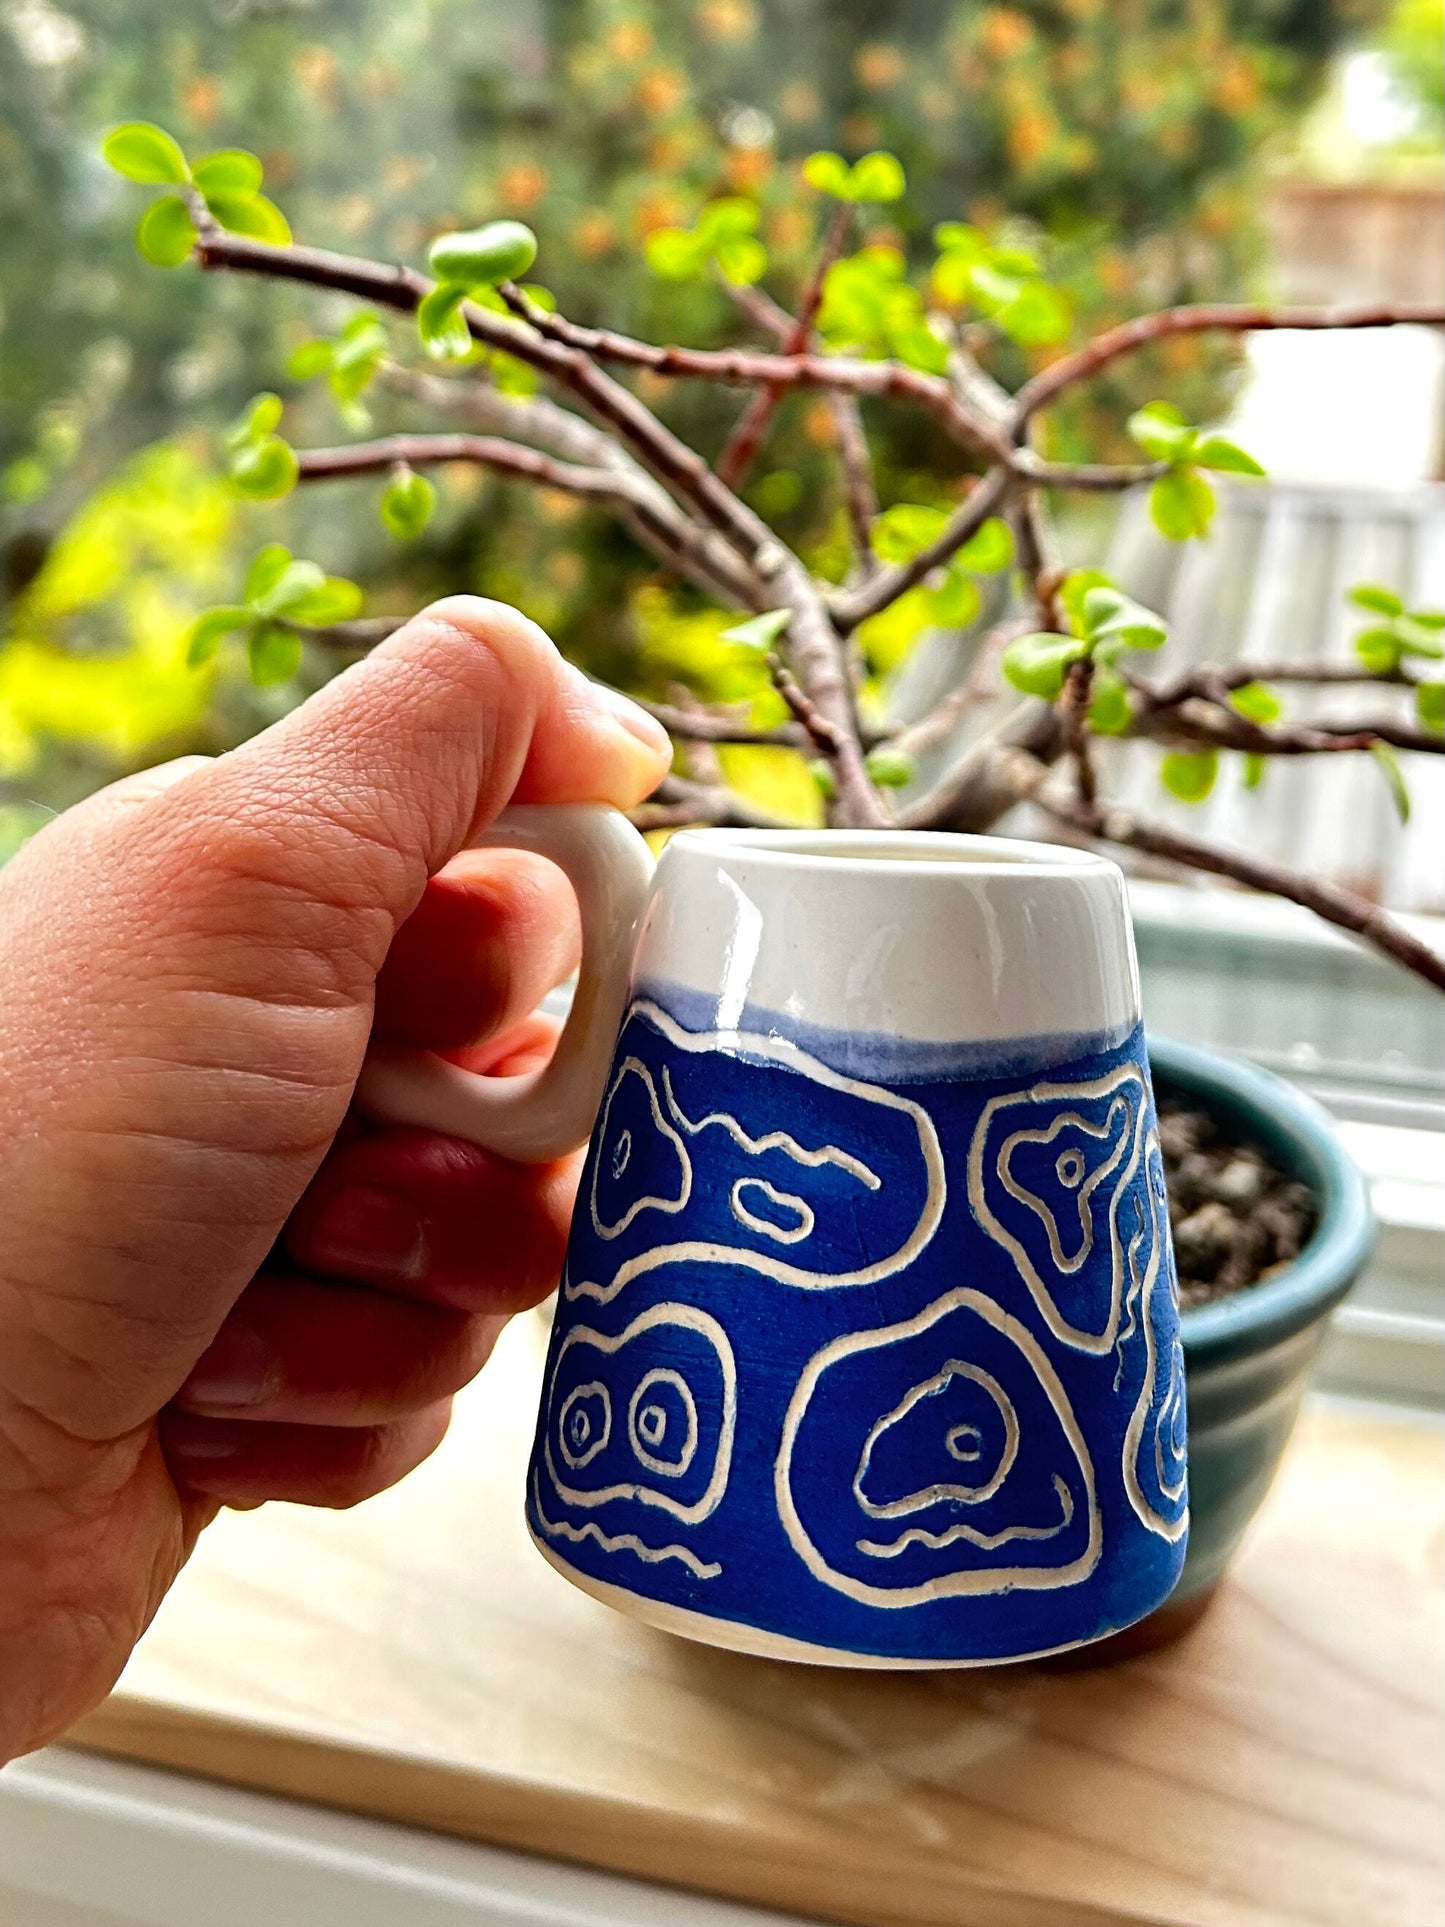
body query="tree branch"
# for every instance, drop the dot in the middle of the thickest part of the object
(1130, 336)
(1110, 824)
(702, 725)
(986, 498)
(739, 367)
(677, 803)
(747, 436)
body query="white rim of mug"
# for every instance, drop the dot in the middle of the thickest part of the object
(941, 853)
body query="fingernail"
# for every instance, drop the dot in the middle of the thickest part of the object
(370, 1234)
(236, 1369)
(638, 724)
(199, 1441)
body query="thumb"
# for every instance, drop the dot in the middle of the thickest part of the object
(187, 975)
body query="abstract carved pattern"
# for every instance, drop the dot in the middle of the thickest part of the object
(884, 1367)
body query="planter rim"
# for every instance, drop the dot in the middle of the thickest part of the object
(1302, 1134)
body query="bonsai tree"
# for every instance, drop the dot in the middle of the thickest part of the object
(525, 393)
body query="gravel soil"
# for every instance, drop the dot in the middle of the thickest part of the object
(1235, 1215)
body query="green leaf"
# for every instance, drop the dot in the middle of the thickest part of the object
(1418, 638)
(267, 567)
(1426, 618)
(1394, 777)
(1182, 504)
(901, 531)
(260, 417)
(889, 768)
(725, 219)
(296, 580)
(1226, 458)
(957, 602)
(208, 630)
(1379, 601)
(759, 632)
(743, 260)
(1256, 701)
(231, 171)
(989, 549)
(252, 215)
(1379, 650)
(166, 233)
(1037, 315)
(877, 177)
(483, 256)
(441, 324)
(915, 343)
(959, 237)
(312, 358)
(334, 599)
(1075, 588)
(1190, 775)
(1107, 615)
(821, 771)
(830, 174)
(1430, 705)
(407, 503)
(273, 654)
(1163, 431)
(264, 470)
(675, 253)
(144, 152)
(1038, 663)
(1110, 711)
(1254, 768)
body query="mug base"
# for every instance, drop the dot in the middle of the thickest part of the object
(734, 1636)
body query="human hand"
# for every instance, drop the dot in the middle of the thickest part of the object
(217, 1286)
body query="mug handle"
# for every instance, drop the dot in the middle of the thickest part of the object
(538, 1115)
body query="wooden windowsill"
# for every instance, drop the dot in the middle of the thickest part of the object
(416, 1659)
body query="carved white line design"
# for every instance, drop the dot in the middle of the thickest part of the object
(944, 1585)
(771, 1140)
(619, 1541)
(987, 1541)
(1171, 1412)
(575, 1431)
(930, 1495)
(779, 1050)
(691, 1319)
(1128, 1081)
(647, 1426)
(785, 1234)
(634, 1066)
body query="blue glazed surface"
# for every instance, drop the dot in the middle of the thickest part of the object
(866, 1349)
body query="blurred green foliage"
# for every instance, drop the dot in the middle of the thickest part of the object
(1111, 141)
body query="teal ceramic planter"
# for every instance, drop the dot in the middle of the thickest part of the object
(1248, 1357)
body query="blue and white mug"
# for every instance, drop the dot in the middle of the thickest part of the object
(866, 1351)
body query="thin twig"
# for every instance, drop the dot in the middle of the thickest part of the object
(986, 498)
(1074, 707)
(702, 725)
(752, 425)
(678, 802)
(1238, 675)
(657, 522)
(860, 495)
(819, 729)
(1130, 336)
(740, 367)
(1110, 824)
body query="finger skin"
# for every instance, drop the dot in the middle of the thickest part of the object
(187, 980)
(492, 934)
(303, 1351)
(436, 1218)
(240, 1463)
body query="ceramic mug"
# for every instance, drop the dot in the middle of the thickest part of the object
(866, 1350)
